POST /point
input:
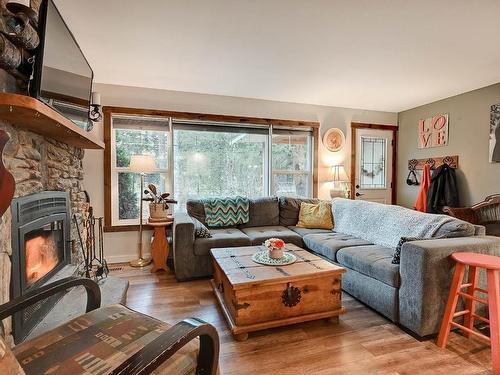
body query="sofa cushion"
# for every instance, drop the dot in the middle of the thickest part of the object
(98, 342)
(224, 237)
(263, 211)
(196, 209)
(290, 208)
(371, 260)
(258, 235)
(327, 244)
(304, 231)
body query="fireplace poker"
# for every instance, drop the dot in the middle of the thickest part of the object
(87, 274)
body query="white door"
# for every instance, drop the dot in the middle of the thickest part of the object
(373, 170)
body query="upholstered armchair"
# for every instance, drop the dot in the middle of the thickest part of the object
(109, 340)
(485, 213)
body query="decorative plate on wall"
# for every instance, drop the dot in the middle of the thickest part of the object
(334, 139)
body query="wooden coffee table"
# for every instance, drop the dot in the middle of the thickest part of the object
(255, 297)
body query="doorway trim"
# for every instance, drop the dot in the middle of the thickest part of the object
(394, 129)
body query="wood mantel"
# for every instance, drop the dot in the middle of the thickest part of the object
(29, 113)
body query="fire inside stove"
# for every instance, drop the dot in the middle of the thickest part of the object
(42, 256)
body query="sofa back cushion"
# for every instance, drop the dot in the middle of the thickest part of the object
(263, 212)
(384, 224)
(289, 209)
(196, 209)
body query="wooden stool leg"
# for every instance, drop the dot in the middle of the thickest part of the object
(494, 312)
(470, 304)
(451, 306)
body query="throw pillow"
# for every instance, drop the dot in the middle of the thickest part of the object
(200, 231)
(396, 258)
(315, 216)
(226, 212)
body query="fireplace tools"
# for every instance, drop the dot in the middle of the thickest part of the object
(94, 264)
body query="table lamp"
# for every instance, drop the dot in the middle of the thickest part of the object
(141, 164)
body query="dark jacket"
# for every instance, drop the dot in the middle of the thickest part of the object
(443, 190)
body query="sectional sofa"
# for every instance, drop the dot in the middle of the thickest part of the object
(412, 293)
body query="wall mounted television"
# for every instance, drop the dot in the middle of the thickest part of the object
(62, 76)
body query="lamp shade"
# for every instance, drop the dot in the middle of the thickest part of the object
(142, 163)
(339, 173)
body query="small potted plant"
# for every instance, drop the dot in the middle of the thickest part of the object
(275, 247)
(159, 203)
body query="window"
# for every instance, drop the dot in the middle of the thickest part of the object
(213, 161)
(292, 163)
(372, 165)
(136, 135)
(201, 159)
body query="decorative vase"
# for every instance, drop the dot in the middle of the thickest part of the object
(158, 211)
(276, 253)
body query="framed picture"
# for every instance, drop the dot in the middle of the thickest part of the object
(334, 139)
(495, 134)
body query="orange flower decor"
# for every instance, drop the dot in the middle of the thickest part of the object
(274, 243)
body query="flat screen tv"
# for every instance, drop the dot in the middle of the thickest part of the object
(62, 76)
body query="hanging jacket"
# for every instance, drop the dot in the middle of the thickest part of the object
(443, 190)
(421, 202)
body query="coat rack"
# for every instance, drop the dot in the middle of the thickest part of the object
(436, 162)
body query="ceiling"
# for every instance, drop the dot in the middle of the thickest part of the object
(382, 55)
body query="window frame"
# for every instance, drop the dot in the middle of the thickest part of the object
(115, 171)
(205, 119)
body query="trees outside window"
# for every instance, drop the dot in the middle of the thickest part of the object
(202, 161)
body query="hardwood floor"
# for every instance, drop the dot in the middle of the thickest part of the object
(363, 342)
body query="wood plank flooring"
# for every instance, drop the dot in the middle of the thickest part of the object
(363, 342)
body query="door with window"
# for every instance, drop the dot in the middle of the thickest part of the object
(374, 153)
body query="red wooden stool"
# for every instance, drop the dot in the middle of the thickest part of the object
(474, 261)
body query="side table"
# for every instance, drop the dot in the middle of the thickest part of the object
(159, 246)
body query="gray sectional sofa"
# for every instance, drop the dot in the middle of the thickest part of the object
(412, 293)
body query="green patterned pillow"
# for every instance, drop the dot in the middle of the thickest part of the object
(226, 212)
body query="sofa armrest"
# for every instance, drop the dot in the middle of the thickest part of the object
(426, 271)
(183, 243)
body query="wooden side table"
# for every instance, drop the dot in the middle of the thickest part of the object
(159, 246)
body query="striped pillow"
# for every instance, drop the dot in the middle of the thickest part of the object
(226, 212)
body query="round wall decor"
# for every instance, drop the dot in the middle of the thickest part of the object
(334, 139)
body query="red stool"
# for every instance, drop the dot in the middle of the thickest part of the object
(491, 264)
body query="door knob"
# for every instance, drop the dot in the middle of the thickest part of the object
(357, 186)
(359, 194)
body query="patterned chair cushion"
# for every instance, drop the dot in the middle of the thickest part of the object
(98, 342)
(8, 362)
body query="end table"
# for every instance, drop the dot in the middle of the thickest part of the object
(159, 246)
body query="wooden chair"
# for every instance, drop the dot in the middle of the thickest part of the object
(468, 291)
(109, 340)
(485, 213)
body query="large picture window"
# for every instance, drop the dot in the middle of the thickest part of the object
(219, 161)
(196, 159)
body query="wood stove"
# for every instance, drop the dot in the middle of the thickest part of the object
(40, 249)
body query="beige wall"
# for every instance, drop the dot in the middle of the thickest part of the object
(468, 138)
(121, 246)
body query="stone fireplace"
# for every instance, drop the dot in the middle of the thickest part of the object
(39, 164)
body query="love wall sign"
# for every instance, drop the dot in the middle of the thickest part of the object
(433, 131)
